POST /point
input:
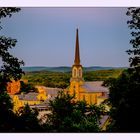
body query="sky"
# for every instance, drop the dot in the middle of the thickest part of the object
(46, 36)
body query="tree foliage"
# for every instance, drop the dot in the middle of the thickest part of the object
(11, 65)
(68, 115)
(134, 25)
(28, 121)
(9, 121)
(124, 100)
(7, 116)
(26, 88)
(124, 91)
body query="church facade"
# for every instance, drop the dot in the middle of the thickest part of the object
(92, 92)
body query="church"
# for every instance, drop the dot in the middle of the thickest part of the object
(92, 92)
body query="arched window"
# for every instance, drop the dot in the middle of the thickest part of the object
(74, 72)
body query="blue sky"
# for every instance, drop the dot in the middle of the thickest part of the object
(46, 36)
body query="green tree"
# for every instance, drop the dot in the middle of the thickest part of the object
(9, 121)
(28, 121)
(134, 25)
(27, 87)
(68, 115)
(7, 116)
(124, 100)
(124, 91)
(10, 69)
(11, 65)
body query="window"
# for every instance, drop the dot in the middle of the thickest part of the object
(74, 73)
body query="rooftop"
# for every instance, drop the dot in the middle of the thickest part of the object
(31, 96)
(95, 86)
(53, 90)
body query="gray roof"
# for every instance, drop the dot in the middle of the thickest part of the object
(31, 96)
(95, 87)
(53, 90)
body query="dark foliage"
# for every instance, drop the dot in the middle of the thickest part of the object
(11, 65)
(124, 91)
(134, 25)
(9, 121)
(26, 88)
(28, 121)
(124, 99)
(7, 116)
(71, 116)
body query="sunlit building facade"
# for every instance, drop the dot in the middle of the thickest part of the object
(92, 92)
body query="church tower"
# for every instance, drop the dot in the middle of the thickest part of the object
(77, 70)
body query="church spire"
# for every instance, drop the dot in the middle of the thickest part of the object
(77, 53)
(77, 70)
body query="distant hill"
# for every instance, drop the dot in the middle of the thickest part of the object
(28, 69)
(52, 69)
(93, 68)
(66, 69)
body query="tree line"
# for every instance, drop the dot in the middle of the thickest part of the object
(62, 79)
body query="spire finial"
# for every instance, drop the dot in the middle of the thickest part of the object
(77, 53)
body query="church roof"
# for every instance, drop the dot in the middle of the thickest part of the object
(95, 86)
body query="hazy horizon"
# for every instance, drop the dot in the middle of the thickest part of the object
(71, 66)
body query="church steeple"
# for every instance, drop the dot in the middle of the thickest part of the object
(77, 53)
(77, 70)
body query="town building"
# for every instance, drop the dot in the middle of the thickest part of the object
(35, 100)
(92, 92)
